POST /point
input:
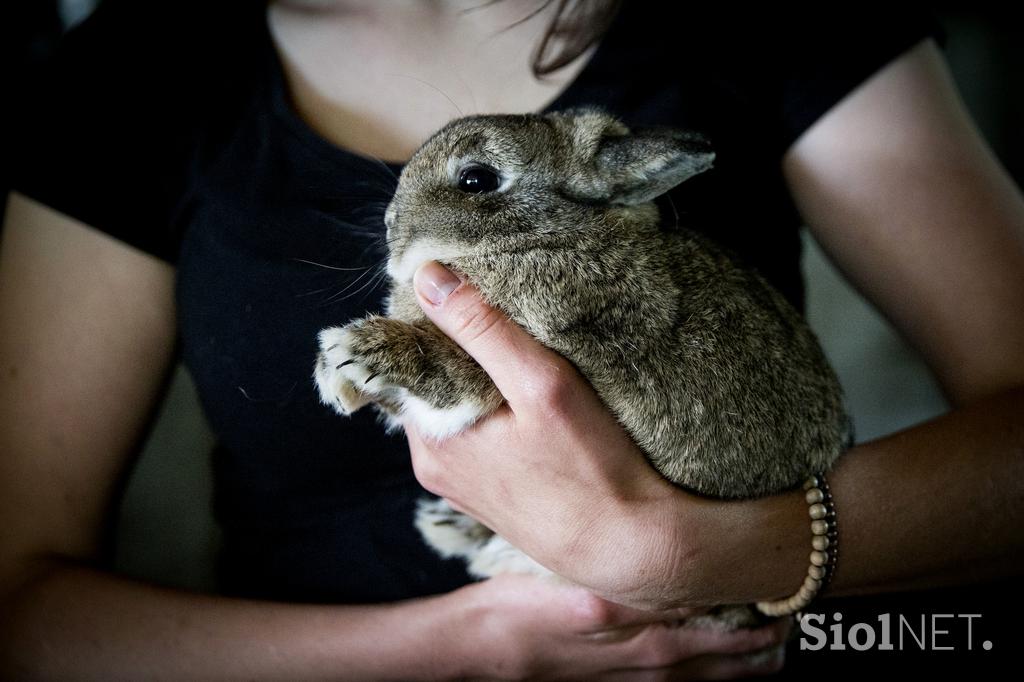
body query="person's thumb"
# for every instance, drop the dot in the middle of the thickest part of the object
(513, 359)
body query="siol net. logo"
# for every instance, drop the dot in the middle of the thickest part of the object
(933, 632)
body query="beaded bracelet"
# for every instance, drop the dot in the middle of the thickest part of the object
(824, 550)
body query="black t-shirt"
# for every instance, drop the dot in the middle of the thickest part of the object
(171, 129)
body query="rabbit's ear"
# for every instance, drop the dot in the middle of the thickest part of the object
(632, 168)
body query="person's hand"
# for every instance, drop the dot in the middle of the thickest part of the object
(552, 471)
(527, 627)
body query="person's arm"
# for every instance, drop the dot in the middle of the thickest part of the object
(86, 333)
(901, 190)
(86, 336)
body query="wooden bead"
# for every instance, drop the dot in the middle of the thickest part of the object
(823, 538)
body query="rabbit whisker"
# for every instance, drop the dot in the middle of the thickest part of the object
(385, 166)
(381, 276)
(482, 5)
(330, 267)
(675, 213)
(367, 268)
(369, 283)
(315, 291)
(433, 87)
(518, 22)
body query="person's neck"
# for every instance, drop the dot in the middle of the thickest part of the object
(483, 15)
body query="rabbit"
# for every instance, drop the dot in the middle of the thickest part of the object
(718, 380)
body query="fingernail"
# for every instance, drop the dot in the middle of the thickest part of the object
(434, 282)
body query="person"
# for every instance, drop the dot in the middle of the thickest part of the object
(251, 168)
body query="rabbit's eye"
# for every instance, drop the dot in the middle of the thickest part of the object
(478, 179)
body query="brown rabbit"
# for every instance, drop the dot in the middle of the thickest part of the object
(715, 376)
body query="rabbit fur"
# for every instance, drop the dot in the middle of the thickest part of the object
(715, 376)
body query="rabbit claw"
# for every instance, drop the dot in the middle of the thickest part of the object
(342, 374)
(407, 372)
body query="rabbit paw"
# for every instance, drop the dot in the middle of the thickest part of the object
(499, 556)
(408, 373)
(453, 534)
(448, 532)
(343, 377)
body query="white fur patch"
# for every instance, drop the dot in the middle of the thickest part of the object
(499, 556)
(418, 253)
(448, 532)
(338, 385)
(439, 423)
(453, 534)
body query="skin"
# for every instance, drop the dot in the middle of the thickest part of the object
(407, 86)
(898, 186)
(86, 340)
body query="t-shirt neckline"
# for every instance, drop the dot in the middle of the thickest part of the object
(286, 112)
